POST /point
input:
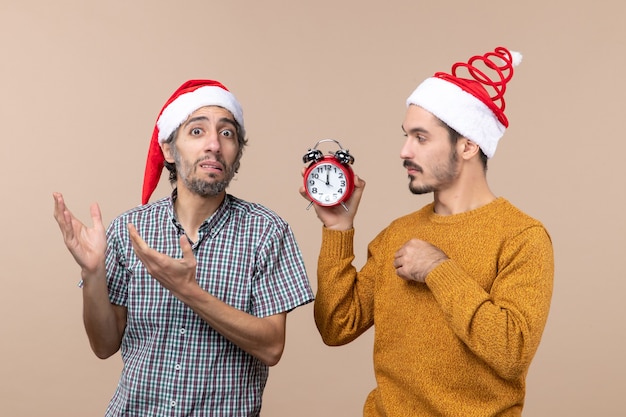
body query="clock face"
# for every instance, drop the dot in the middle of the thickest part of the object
(328, 183)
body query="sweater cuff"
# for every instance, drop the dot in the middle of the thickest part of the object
(448, 278)
(337, 243)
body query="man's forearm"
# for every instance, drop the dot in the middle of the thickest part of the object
(262, 337)
(104, 322)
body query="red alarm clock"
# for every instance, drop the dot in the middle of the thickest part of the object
(329, 179)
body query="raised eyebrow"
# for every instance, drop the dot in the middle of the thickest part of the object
(229, 121)
(206, 119)
(196, 119)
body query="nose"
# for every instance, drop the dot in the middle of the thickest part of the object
(212, 141)
(406, 152)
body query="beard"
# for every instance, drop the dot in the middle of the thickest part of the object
(443, 174)
(202, 186)
(206, 188)
(420, 189)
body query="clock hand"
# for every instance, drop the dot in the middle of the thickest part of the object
(327, 177)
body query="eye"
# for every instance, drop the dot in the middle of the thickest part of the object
(227, 133)
(419, 138)
(196, 131)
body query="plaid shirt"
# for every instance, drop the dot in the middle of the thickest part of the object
(175, 364)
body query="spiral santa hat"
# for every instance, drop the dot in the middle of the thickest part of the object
(465, 104)
(189, 97)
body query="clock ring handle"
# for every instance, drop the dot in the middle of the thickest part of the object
(328, 140)
(314, 154)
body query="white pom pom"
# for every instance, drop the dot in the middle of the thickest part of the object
(517, 58)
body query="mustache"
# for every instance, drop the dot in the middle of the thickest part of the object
(411, 165)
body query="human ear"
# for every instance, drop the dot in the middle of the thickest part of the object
(166, 148)
(470, 149)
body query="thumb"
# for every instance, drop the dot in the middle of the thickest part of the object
(187, 250)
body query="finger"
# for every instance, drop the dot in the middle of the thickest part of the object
(59, 208)
(139, 245)
(359, 182)
(303, 193)
(96, 216)
(58, 204)
(132, 231)
(397, 263)
(188, 255)
(404, 277)
(359, 185)
(185, 246)
(64, 217)
(357, 191)
(148, 257)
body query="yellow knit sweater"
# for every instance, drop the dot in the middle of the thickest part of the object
(461, 344)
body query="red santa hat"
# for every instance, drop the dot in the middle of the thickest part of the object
(189, 97)
(464, 104)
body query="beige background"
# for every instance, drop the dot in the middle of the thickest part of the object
(82, 82)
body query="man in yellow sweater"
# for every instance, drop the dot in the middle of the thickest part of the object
(459, 291)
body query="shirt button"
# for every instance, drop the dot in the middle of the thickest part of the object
(172, 403)
(177, 366)
(182, 330)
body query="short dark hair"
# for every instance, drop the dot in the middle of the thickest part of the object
(454, 138)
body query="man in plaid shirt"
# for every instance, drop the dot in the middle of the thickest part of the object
(193, 288)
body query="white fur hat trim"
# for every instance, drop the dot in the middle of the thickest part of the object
(461, 111)
(181, 108)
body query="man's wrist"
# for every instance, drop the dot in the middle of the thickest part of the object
(91, 275)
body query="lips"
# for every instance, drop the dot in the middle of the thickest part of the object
(210, 165)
